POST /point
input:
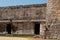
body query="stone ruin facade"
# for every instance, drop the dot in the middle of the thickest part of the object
(53, 17)
(36, 19)
(23, 20)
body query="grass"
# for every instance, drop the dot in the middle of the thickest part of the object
(23, 36)
(19, 36)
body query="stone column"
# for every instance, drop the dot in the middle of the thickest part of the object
(41, 29)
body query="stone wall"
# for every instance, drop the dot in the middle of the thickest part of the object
(22, 28)
(18, 28)
(27, 12)
(53, 17)
(25, 28)
(24, 12)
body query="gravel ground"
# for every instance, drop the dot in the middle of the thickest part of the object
(15, 38)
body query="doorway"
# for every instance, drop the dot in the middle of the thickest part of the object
(8, 28)
(37, 28)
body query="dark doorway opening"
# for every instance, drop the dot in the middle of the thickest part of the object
(8, 28)
(37, 29)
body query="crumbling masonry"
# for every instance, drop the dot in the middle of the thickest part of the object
(53, 17)
(23, 20)
(36, 19)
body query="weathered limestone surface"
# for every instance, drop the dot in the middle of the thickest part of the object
(26, 12)
(33, 12)
(20, 28)
(53, 12)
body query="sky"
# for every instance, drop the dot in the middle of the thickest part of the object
(4, 3)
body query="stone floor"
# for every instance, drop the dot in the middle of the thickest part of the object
(14, 38)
